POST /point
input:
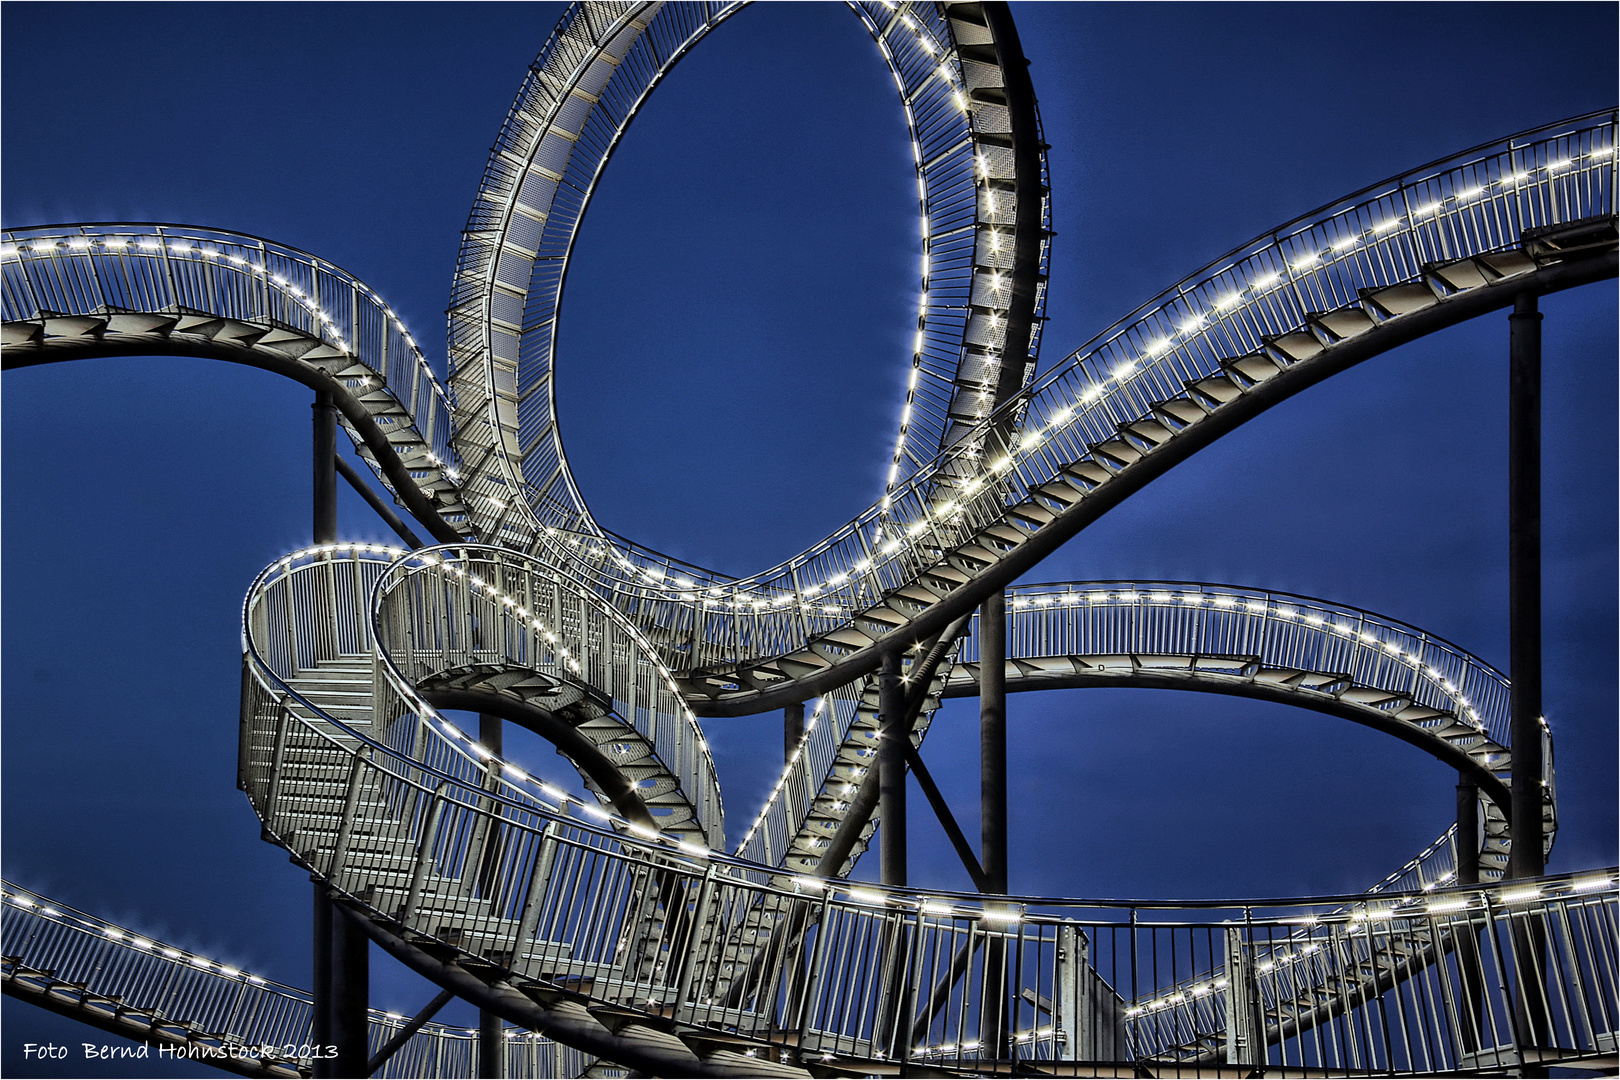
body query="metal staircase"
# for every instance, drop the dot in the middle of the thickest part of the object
(654, 936)
(617, 924)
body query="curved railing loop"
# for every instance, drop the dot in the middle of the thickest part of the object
(984, 234)
(451, 608)
(119, 288)
(1091, 421)
(1334, 283)
(196, 1008)
(1301, 650)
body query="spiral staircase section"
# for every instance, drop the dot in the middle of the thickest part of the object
(617, 925)
(632, 947)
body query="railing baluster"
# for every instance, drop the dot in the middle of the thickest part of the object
(424, 853)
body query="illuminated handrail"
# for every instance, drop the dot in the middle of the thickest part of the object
(591, 79)
(467, 848)
(445, 607)
(571, 883)
(1445, 683)
(317, 605)
(132, 268)
(1560, 173)
(1239, 305)
(550, 898)
(228, 1012)
(1478, 202)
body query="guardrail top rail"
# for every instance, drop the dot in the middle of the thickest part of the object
(118, 972)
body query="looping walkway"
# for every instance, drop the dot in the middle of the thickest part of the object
(616, 924)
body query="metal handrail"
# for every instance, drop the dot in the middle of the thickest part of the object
(524, 794)
(1260, 293)
(591, 79)
(525, 617)
(586, 883)
(649, 919)
(96, 235)
(109, 269)
(228, 1013)
(1480, 202)
(551, 898)
(1186, 618)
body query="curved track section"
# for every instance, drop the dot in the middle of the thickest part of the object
(476, 628)
(1319, 655)
(78, 291)
(488, 621)
(645, 948)
(982, 194)
(193, 1007)
(1178, 635)
(639, 944)
(1419, 253)
(1306, 301)
(635, 946)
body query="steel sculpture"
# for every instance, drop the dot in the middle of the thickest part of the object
(617, 927)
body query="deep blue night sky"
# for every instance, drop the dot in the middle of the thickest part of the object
(735, 344)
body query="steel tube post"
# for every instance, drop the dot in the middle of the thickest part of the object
(351, 989)
(322, 928)
(545, 856)
(992, 639)
(1526, 858)
(325, 461)
(491, 1028)
(1524, 582)
(1467, 831)
(491, 1046)
(321, 1009)
(1469, 973)
(993, 741)
(892, 769)
(792, 729)
(489, 733)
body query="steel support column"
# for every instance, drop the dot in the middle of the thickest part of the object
(892, 769)
(491, 1046)
(325, 468)
(1524, 582)
(489, 733)
(1467, 831)
(321, 955)
(351, 990)
(1526, 859)
(1470, 985)
(792, 729)
(992, 639)
(323, 919)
